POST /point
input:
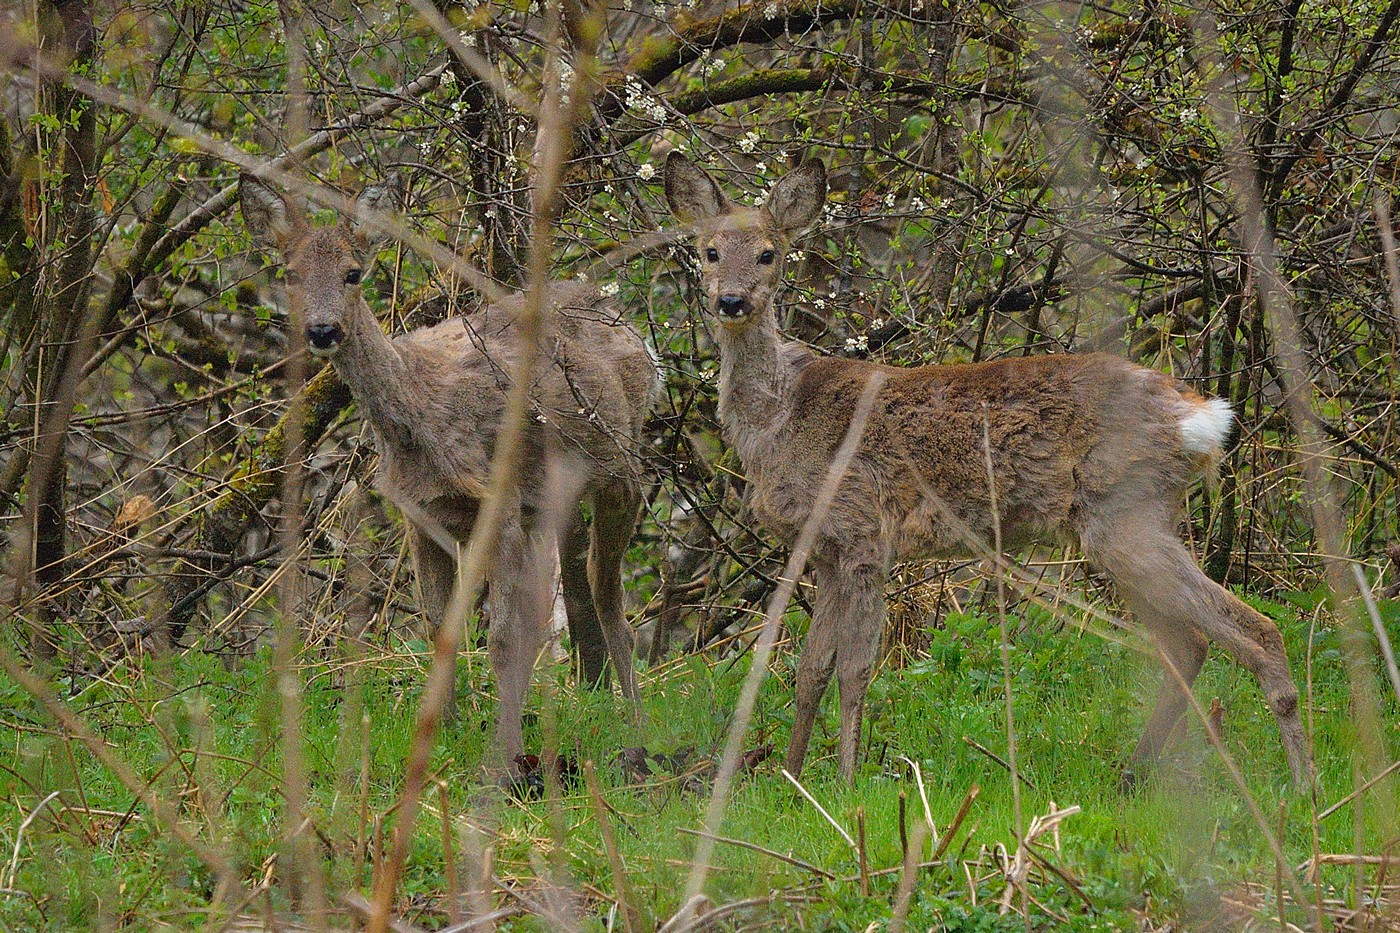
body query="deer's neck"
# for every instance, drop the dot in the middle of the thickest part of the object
(755, 385)
(375, 372)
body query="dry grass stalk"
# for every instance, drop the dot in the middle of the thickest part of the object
(449, 856)
(554, 137)
(161, 808)
(903, 825)
(862, 859)
(754, 847)
(908, 877)
(963, 809)
(1324, 506)
(763, 649)
(979, 747)
(923, 797)
(1019, 866)
(1355, 794)
(362, 825)
(631, 919)
(820, 809)
(1005, 648)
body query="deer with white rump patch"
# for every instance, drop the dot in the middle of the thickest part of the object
(1092, 447)
(435, 398)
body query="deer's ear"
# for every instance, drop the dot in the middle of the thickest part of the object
(690, 191)
(266, 213)
(796, 201)
(379, 201)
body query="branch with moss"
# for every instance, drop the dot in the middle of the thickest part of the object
(248, 491)
(766, 82)
(658, 57)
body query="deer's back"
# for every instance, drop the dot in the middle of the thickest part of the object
(593, 385)
(596, 382)
(1065, 434)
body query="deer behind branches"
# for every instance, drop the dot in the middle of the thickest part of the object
(435, 398)
(1092, 448)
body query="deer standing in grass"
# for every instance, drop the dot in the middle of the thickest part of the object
(1089, 447)
(435, 398)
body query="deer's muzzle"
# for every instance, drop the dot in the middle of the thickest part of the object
(324, 339)
(732, 307)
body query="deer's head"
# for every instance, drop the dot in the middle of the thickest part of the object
(743, 249)
(324, 265)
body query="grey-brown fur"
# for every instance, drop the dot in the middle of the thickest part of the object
(1088, 448)
(435, 398)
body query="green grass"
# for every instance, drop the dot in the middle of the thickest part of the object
(207, 737)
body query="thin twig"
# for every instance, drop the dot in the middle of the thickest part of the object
(963, 810)
(754, 847)
(1389, 770)
(1020, 778)
(820, 809)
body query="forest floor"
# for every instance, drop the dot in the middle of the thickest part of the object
(1185, 850)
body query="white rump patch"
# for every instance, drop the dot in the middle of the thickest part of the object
(1206, 426)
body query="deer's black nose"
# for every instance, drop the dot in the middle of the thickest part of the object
(324, 337)
(732, 305)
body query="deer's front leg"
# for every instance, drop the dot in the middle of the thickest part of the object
(860, 582)
(814, 666)
(520, 588)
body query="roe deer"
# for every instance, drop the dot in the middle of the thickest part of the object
(1092, 447)
(435, 398)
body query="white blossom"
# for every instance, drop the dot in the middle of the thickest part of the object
(639, 100)
(609, 290)
(749, 143)
(646, 171)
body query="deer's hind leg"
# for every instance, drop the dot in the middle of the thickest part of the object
(1174, 599)
(614, 519)
(585, 629)
(1184, 648)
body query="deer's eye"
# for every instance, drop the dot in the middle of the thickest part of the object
(352, 277)
(712, 255)
(766, 257)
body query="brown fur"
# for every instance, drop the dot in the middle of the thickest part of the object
(435, 398)
(1082, 447)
